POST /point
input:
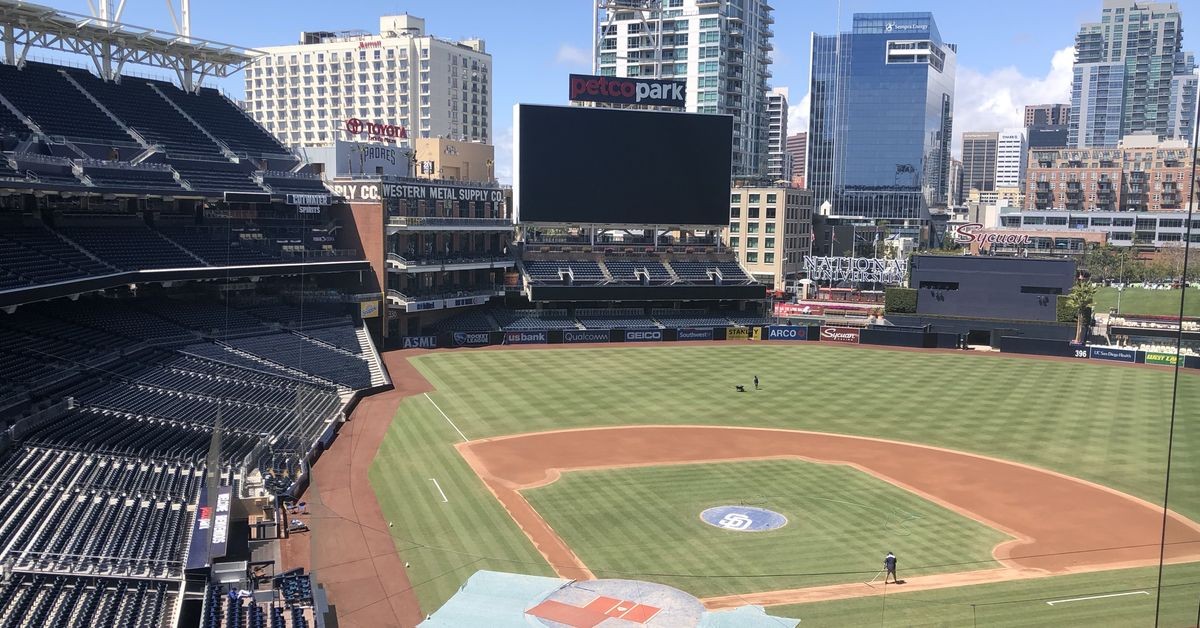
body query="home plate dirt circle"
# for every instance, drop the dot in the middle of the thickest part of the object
(743, 518)
(584, 604)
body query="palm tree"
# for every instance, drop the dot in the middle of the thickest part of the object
(1080, 299)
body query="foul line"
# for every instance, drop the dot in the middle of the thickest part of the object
(1096, 597)
(439, 488)
(435, 405)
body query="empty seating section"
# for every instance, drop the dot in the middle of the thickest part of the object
(130, 247)
(47, 173)
(628, 270)
(302, 315)
(534, 319)
(580, 271)
(217, 248)
(134, 512)
(297, 352)
(224, 120)
(148, 179)
(216, 319)
(60, 600)
(469, 320)
(344, 337)
(295, 185)
(11, 126)
(43, 94)
(36, 255)
(125, 321)
(749, 319)
(692, 271)
(689, 318)
(141, 108)
(215, 176)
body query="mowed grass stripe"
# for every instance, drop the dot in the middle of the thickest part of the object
(1021, 603)
(840, 520)
(1100, 422)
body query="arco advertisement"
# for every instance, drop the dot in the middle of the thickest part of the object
(786, 332)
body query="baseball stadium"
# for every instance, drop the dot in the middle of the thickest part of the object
(242, 384)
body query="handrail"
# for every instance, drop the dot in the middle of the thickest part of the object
(414, 221)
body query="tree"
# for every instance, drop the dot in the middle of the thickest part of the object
(1080, 300)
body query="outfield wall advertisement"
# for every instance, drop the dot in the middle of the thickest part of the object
(1167, 359)
(841, 334)
(694, 333)
(587, 335)
(787, 332)
(1116, 354)
(420, 342)
(471, 339)
(737, 333)
(643, 335)
(526, 338)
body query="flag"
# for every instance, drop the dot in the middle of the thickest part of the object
(812, 237)
(834, 232)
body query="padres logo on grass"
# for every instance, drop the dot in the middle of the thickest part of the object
(743, 518)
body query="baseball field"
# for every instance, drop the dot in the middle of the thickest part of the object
(1030, 480)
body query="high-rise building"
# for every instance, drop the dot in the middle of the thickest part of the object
(882, 100)
(1131, 76)
(399, 84)
(1011, 150)
(979, 161)
(954, 192)
(779, 163)
(721, 47)
(797, 148)
(1043, 115)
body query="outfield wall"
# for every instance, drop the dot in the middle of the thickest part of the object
(913, 337)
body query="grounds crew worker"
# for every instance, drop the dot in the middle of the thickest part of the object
(889, 563)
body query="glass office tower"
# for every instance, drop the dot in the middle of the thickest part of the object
(880, 120)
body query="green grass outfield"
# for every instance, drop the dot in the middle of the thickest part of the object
(1102, 422)
(1142, 301)
(1023, 603)
(841, 521)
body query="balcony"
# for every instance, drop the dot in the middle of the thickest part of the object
(396, 224)
(397, 263)
(435, 299)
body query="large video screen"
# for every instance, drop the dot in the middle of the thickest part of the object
(620, 166)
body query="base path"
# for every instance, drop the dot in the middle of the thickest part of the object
(350, 547)
(1059, 524)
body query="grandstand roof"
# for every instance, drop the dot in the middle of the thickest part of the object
(112, 44)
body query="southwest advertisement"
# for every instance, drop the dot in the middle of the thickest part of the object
(694, 333)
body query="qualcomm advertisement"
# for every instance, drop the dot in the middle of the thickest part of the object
(526, 337)
(694, 333)
(1112, 353)
(643, 335)
(587, 335)
(787, 332)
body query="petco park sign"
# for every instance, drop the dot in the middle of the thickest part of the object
(375, 131)
(970, 233)
(628, 91)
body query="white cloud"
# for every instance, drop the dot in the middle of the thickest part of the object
(569, 55)
(996, 100)
(798, 116)
(504, 155)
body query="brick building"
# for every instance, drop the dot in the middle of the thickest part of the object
(1139, 174)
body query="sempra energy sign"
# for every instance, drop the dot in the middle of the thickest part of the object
(628, 91)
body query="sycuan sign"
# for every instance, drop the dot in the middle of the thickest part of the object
(628, 91)
(840, 334)
(971, 233)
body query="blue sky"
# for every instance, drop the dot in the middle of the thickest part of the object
(1011, 52)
